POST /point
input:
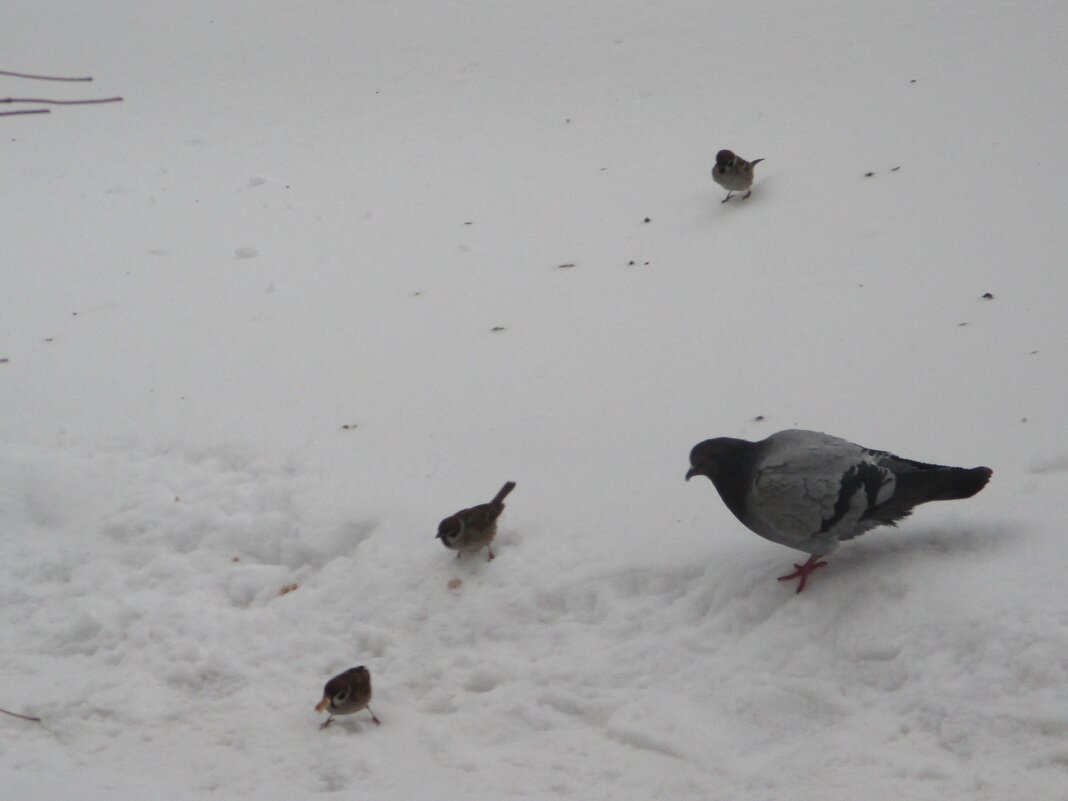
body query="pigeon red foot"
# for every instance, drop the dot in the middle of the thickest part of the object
(802, 572)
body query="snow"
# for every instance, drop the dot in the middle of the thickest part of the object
(248, 317)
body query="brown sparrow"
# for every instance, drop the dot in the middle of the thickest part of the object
(474, 528)
(347, 693)
(734, 173)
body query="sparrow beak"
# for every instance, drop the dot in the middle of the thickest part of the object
(319, 707)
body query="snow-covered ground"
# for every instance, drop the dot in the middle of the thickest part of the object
(303, 293)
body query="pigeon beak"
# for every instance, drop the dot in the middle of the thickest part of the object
(691, 473)
(319, 707)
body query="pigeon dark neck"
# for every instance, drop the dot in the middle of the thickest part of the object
(731, 475)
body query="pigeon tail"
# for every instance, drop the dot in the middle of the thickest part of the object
(943, 483)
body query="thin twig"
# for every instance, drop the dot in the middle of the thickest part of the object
(27, 111)
(23, 717)
(41, 77)
(58, 102)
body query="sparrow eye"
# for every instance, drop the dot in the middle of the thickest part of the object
(341, 696)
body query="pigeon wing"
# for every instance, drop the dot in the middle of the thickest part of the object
(814, 490)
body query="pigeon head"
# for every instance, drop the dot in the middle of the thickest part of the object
(715, 458)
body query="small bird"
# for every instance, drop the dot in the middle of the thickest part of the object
(810, 491)
(473, 529)
(347, 693)
(734, 173)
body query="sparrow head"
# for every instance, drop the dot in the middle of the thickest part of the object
(339, 689)
(725, 160)
(707, 458)
(450, 529)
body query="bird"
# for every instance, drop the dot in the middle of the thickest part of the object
(734, 173)
(473, 529)
(810, 491)
(347, 693)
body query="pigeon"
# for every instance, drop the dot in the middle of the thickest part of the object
(474, 529)
(734, 173)
(810, 491)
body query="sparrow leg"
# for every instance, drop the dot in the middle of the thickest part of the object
(376, 720)
(459, 554)
(729, 196)
(747, 194)
(802, 571)
(329, 720)
(491, 556)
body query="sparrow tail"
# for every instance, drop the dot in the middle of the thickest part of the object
(500, 496)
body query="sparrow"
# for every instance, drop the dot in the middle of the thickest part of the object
(347, 693)
(734, 173)
(810, 491)
(474, 528)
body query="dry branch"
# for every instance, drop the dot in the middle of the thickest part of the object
(27, 111)
(23, 717)
(58, 102)
(40, 77)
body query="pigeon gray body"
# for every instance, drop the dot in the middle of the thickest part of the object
(811, 491)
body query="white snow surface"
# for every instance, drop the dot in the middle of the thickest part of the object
(247, 323)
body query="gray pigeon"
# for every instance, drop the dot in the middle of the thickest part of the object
(810, 491)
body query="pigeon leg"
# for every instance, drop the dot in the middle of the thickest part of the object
(802, 571)
(729, 196)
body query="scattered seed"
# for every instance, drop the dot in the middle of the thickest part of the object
(988, 296)
(285, 589)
